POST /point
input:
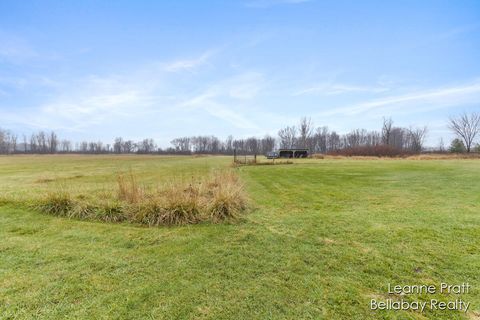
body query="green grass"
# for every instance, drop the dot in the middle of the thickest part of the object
(325, 237)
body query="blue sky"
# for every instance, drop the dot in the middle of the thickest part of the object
(95, 70)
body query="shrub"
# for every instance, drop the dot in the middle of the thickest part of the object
(457, 146)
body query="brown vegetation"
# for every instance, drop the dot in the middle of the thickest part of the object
(423, 156)
(372, 151)
(215, 198)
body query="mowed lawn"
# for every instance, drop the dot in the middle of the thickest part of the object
(322, 238)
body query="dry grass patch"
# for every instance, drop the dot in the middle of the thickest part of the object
(215, 198)
(444, 156)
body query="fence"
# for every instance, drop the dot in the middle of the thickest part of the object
(239, 158)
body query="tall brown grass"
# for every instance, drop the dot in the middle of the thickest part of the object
(214, 198)
(371, 151)
(128, 188)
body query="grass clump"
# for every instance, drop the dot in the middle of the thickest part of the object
(128, 188)
(227, 198)
(214, 198)
(58, 203)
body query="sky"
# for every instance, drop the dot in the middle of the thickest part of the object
(95, 70)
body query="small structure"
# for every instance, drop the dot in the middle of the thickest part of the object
(293, 153)
(288, 153)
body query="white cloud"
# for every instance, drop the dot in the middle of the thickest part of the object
(338, 88)
(152, 91)
(188, 64)
(245, 86)
(85, 102)
(458, 31)
(14, 49)
(223, 99)
(417, 101)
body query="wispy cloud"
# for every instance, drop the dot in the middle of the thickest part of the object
(223, 100)
(338, 88)
(417, 101)
(458, 31)
(151, 90)
(15, 49)
(72, 114)
(188, 64)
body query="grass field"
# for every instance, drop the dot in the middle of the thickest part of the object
(321, 239)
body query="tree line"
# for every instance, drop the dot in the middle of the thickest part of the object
(391, 138)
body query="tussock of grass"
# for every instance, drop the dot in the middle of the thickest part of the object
(128, 188)
(58, 203)
(227, 199)
(215, 198)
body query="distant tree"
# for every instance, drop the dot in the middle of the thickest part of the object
(229, 144)
(457, 146)
(288, 137)
(321, 139)
(13, 140)
(387, 130)
(267, 144)
(42, 142)
(334, 142)
(398, 138)
(33, 144)
(65, 146)
(52, 142)
(146, 146)
(25, 144)
(252, 145)
(416, 138)
(441, 145)
(128, 146)
(466, 127)
(118, 145)
(305, 131)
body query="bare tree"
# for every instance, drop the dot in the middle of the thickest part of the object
(33, 144)
(25, 144)
(146, 146)
(416, 138)
(288, 137)
(305, 129)
(466, 127)
(229, 144)
(252, 145)
(267, 144)
(52, 141)
(117, 145)
(14, 139)
(334, 142)
(441, 145)
(65, 146)
(387, 130)
(321, 138)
